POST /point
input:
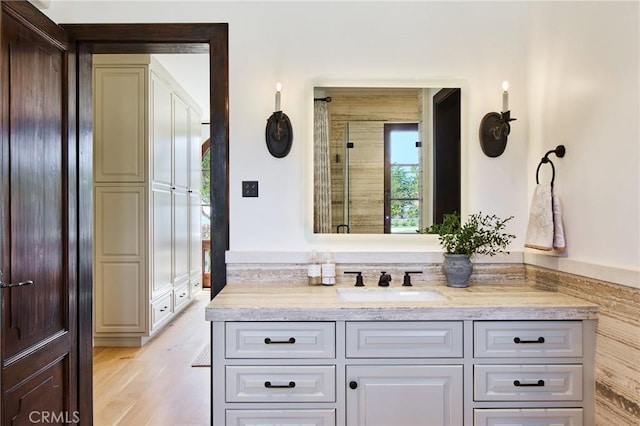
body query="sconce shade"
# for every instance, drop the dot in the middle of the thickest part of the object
(279, 134)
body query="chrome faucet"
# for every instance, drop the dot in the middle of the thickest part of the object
(384, 279)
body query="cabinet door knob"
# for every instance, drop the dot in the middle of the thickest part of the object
(353, 384)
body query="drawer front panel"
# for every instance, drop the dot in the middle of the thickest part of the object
(160, 310)
(527, 339)
(181, 296)
(404, 339)
(281, 384)
(280, 340)
(280, 417)
(528, 382)
(528, 417)
(195, 284)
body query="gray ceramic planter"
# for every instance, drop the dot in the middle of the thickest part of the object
(457, 268)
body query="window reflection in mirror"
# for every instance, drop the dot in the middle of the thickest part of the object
(402, 178)
(386, 160)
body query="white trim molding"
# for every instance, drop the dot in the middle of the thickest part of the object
(41, 4)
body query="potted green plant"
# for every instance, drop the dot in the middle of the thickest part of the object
(480, 234)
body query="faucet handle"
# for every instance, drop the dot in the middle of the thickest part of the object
(407, 277)
(384, 279)
(359, 282)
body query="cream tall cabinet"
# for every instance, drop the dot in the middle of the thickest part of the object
(147, 151)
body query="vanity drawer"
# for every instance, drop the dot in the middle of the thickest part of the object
(404, 339)
(521, 339)
(280, 340)
(527, 382)
(304, 383)
(280, 417)
(528, 417)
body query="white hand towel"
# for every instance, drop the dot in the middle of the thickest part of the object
(540, 228)
(545, 230)
(559, 243)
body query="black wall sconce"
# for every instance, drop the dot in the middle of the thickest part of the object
(279, 134)
(495, 127)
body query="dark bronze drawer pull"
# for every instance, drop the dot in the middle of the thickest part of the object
(517, 383)
(268, 341)
(518, 340)
(270, 386)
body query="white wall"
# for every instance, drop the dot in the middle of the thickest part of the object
(552, 55)
(584, 92)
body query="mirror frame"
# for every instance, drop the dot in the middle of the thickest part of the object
(390, 241)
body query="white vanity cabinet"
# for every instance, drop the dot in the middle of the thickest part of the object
(286, 354)
(403, 373)
(533, 373)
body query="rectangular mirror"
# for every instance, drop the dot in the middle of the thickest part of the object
(386, 159)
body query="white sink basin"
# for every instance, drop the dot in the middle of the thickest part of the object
(388, 295)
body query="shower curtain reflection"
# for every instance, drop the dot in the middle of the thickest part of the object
(321, 169)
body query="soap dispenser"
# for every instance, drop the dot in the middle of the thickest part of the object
(328, 270)
(314, 269)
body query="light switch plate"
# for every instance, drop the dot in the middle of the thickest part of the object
(249, 188)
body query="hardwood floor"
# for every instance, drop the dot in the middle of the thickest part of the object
(155, 385)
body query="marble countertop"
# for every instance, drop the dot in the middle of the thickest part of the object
(486, 301)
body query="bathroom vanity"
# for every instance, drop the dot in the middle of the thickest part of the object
(503, 354)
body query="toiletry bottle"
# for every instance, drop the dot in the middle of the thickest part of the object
(328, 271)
(314, 269)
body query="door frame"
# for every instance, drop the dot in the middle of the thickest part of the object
(447, 179)
(145, 38)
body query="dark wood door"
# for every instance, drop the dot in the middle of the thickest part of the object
(446, 145)
(38, 347)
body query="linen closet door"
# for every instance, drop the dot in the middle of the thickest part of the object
(180, 192)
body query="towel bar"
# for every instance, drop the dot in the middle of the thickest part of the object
(560, 151)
